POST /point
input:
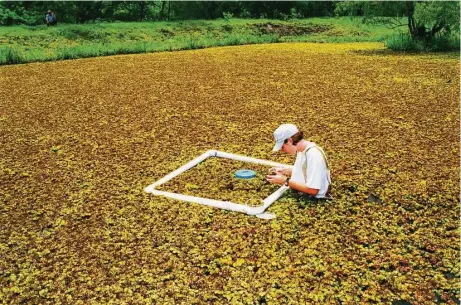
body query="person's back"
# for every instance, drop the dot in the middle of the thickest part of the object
(50, 18)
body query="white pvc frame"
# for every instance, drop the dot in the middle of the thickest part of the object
(226, 205)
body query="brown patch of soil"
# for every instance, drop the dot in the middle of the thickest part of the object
(291, 30)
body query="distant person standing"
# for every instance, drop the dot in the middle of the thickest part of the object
(50, 18)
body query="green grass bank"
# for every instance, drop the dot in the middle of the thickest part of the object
(23, 44)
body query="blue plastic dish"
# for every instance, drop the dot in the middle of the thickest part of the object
(245, 174)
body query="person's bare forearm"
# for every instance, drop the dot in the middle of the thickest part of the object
(281, 179)
(302, 188)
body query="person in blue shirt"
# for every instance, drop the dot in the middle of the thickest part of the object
(50, 18)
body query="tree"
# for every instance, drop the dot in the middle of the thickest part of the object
(437, 16)
(142, 10)
(424, 19)
(88, 10)
(315, 8)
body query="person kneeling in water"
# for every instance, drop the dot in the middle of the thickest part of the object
(311, 172)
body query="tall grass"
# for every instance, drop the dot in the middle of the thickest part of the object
(440, 43)
(11, 55)
(101, 49)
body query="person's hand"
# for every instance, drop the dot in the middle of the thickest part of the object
(276, 179)
(281, 171)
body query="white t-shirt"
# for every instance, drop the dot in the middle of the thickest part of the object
(318, 175)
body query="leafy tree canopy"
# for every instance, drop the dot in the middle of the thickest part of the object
(434, 14)
(424, 19)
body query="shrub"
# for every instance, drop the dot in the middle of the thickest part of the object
(245, 14)
(404, 42)
(440, 43)
(8, 17)
(294, 14)
(445, 43)
(122, 14)
(227, 16)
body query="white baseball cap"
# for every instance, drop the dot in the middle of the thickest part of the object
(283, 132)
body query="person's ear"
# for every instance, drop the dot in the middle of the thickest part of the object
(290, 141)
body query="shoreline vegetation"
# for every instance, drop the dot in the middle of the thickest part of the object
(26, 44)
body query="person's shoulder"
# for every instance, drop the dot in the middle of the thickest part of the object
(310, 147)
(313, 151)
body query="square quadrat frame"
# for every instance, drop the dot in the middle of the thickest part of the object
(226, 205)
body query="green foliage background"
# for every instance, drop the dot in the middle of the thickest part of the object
(422, 26)
(32, 13)
(28, 44)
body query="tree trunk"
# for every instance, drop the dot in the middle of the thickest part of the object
(211, 10)
(169, 7)
(411, 20)
(437, 28)
(142, 10)
(419, 31)
(162, 11)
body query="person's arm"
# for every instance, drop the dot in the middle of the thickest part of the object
(302, 188)
(282, 171)
(280, 179)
